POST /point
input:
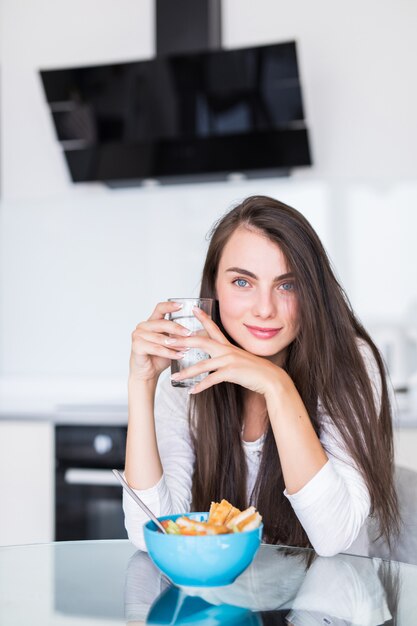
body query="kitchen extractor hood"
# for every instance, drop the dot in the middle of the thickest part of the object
(192, 115)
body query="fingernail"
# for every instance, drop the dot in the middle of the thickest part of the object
(175, 376)
(170, 341)
(181, 355)
(195, 309)
(187, 332)
(177, 305)
(191, 391)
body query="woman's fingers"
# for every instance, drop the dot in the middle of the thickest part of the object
(157, 322)
(154, 349)
(210, 326)
(204, 344)
(163, 326)
(233, 365)
(156, 342)
(161, 337)
(209, 381)
(163, 308)
(202, 367)
(146, 342)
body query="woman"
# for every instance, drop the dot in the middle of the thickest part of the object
(294, 415)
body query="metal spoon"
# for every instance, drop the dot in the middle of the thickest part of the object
(136, 498)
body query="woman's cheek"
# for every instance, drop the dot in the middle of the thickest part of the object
(226, 314)
(230, 315)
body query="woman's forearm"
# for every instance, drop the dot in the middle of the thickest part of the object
(143, 467)
(300, 451)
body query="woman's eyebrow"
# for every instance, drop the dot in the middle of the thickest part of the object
(240, 270)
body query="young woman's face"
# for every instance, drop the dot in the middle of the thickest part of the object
(257, 295)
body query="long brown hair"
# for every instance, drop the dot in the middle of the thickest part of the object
(325, 364)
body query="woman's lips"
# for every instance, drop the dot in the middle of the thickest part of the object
(263, 333)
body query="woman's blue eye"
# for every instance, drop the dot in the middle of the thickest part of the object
(241, 282)
(287, 286)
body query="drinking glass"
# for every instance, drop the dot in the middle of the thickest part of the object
(186, 318)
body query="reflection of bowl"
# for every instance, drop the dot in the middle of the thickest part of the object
(174, 607)
(202, 561)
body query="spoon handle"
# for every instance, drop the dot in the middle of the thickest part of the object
(136, 498)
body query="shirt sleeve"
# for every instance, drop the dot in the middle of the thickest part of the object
(334, 505)
(172, 494)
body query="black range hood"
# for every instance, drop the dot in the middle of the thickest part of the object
(189, 116)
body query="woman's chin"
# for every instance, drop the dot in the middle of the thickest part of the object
(273, 354)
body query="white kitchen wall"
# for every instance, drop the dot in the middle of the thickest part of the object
(81, 265)
(81, 272)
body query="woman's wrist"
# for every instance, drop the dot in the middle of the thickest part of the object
(279, 384)
(137, 384)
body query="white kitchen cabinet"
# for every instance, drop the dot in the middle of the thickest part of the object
(26, 481)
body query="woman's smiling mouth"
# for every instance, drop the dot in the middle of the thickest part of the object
(263, 333)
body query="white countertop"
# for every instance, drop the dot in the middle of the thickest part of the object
(90, 401)
(64, 400)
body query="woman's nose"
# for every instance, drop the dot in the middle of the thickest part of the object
(264, 305)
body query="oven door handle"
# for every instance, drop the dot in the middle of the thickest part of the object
(78, 476)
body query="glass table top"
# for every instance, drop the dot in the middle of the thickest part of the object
(109, 582)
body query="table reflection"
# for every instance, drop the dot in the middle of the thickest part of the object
(282, 586)
(107, 582)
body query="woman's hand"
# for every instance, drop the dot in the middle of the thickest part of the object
(228, 363)
(155, 343)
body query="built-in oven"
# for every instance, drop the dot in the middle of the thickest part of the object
(88, 498)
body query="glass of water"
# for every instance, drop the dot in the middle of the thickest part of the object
(186, 318)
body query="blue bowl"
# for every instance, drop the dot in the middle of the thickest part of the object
(201, 561)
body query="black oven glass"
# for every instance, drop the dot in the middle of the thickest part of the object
(88, 499)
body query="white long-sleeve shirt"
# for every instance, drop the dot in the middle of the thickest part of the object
(332, 507)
